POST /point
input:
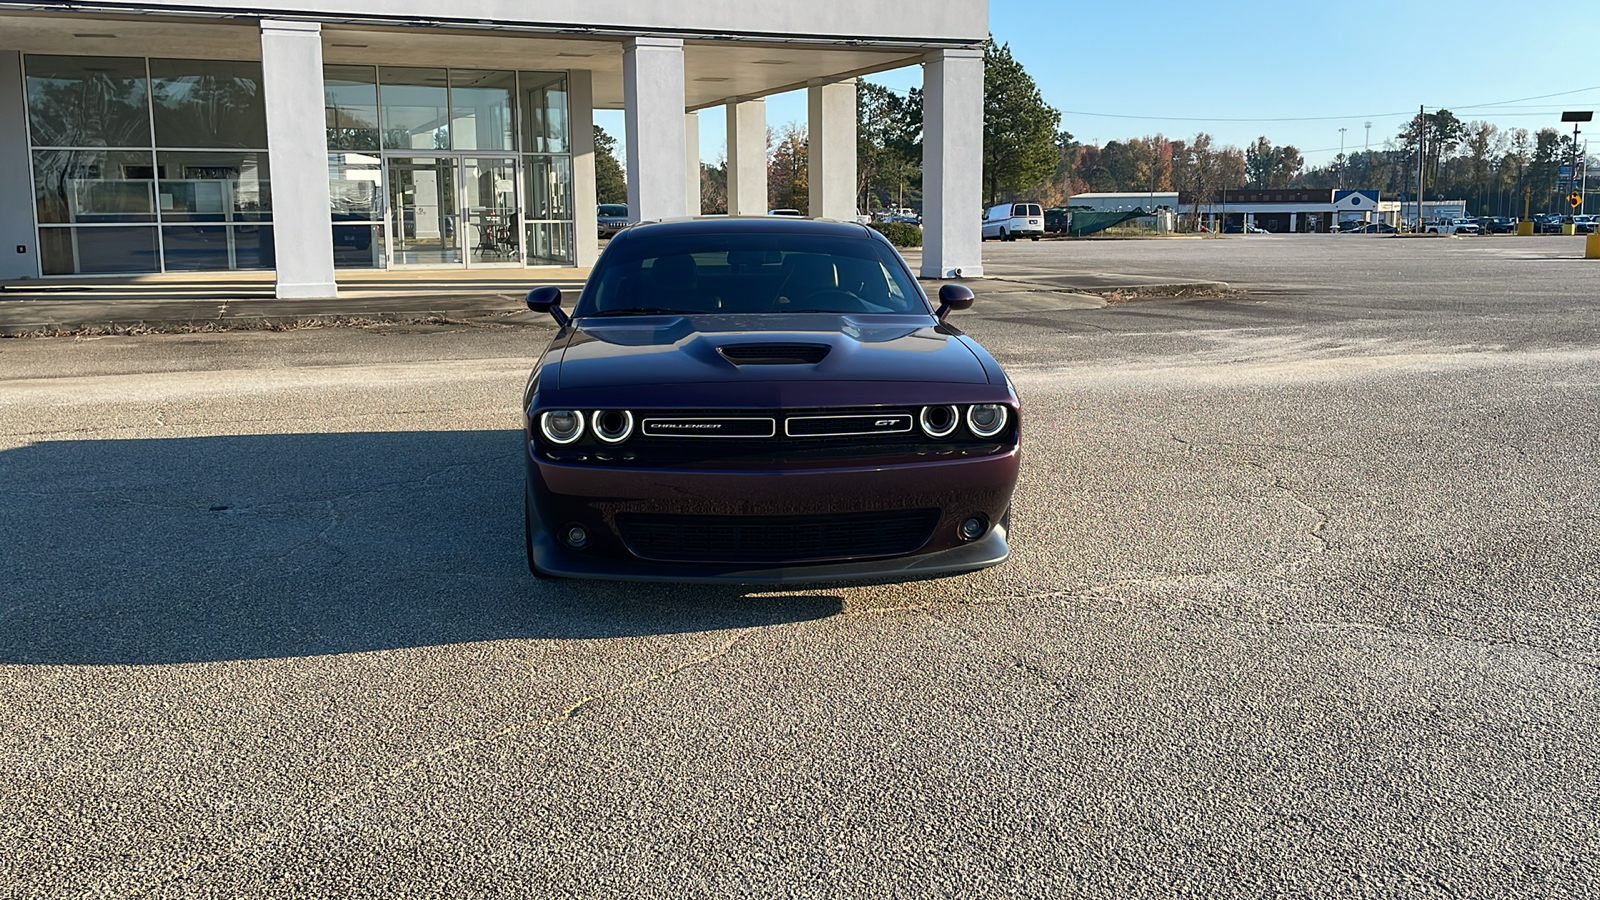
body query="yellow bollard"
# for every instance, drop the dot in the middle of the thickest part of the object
(1569, 229)
(1525, 228)
(1591, 247)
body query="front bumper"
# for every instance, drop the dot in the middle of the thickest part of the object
(562, 494)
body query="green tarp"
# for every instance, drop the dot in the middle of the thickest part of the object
(1089, 221)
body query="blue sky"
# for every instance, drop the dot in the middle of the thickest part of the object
(1127, 69)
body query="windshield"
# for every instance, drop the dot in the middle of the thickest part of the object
(614, 210)
(750, 273)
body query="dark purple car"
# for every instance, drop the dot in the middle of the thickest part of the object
(764, 400)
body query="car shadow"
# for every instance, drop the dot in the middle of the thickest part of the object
(133, 552)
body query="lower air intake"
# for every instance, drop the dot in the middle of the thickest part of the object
(776, 539)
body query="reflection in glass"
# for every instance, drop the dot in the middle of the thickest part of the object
(214, 186)
(93, 186)
(415, 109)
(97, 251)
(350, 100)
(480, 109)
(422, 205)
(354, 182)
(87, 101)
(549, 192)
(544, 112)
(208, 103)
(198, 248)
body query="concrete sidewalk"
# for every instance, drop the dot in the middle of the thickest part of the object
(245, 300)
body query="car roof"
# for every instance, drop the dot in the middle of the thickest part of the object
(746, 225)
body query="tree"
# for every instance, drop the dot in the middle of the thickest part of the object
(787, 184)
(888, 144)
(1019, 128)
(611, 186)
(714, 187)
(1271, 167)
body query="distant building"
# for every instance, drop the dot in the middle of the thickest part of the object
(1290, 210)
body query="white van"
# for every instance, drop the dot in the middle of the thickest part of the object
(1009, 221)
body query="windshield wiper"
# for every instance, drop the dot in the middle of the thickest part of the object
(638, 311)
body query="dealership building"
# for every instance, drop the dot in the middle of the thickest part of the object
(317, 139)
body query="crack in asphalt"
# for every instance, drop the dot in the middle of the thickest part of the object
(1315, 532)
(567, 714)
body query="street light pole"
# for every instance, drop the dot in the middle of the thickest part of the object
(1576, 116)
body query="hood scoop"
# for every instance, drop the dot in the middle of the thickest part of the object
(774, 354)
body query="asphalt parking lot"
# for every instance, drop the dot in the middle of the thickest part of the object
(1304, 601)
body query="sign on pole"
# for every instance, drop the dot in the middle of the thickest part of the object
(1576, 199)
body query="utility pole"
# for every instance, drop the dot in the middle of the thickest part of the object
(1341, 158)
(1422, 141)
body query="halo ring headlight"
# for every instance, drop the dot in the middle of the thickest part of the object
(987, 419)
(939, 421)
(561, 426)
(611, 425)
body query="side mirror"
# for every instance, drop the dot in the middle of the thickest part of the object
(953, 297)
(547, 299)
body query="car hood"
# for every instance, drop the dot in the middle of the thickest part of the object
(696, 349)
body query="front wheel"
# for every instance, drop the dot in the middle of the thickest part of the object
(1035, 237)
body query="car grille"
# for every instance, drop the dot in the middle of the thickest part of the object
(775, 539)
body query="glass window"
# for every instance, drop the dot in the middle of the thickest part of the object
(350, 98)
(87, 101)
(200, 248)
(82, 186)
(549, 187)
(208, 103)
(216, 186)
(549, 243)
(416, 109)
(95, 251)
(480, 109)
(544, 112)
(354, 182)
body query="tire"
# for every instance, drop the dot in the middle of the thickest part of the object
(1003, 236)
(527, 541)
(1035, 237)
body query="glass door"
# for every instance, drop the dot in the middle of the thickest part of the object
(423, 212)
(492, 235)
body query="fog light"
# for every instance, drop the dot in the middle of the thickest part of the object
(575, 536)
(973, 528)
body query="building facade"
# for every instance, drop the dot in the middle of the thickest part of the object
(314, 139)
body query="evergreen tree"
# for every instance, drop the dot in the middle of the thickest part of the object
(1019, 128)
(611, 185)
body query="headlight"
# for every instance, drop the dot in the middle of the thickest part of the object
(986, 419)
(611, 425)
(939, 421)
(562, 426)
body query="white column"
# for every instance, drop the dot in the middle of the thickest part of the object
(297, 142)
(747, 158)
(580, 116)
(652, 96)
(691, 159)
(952, 164)
(1294, 222)
(16, 193)
(831, 150)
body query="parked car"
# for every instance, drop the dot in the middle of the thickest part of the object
(763, 400)
(1377, 228)
(1009, 221)
(1547, 223)
(612, 218)
(1242, 229)
(792, 213)
(1453, 226)
(1585, 224)
(1498, 225)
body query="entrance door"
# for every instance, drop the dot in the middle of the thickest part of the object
(423, 213)
(493, 235)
